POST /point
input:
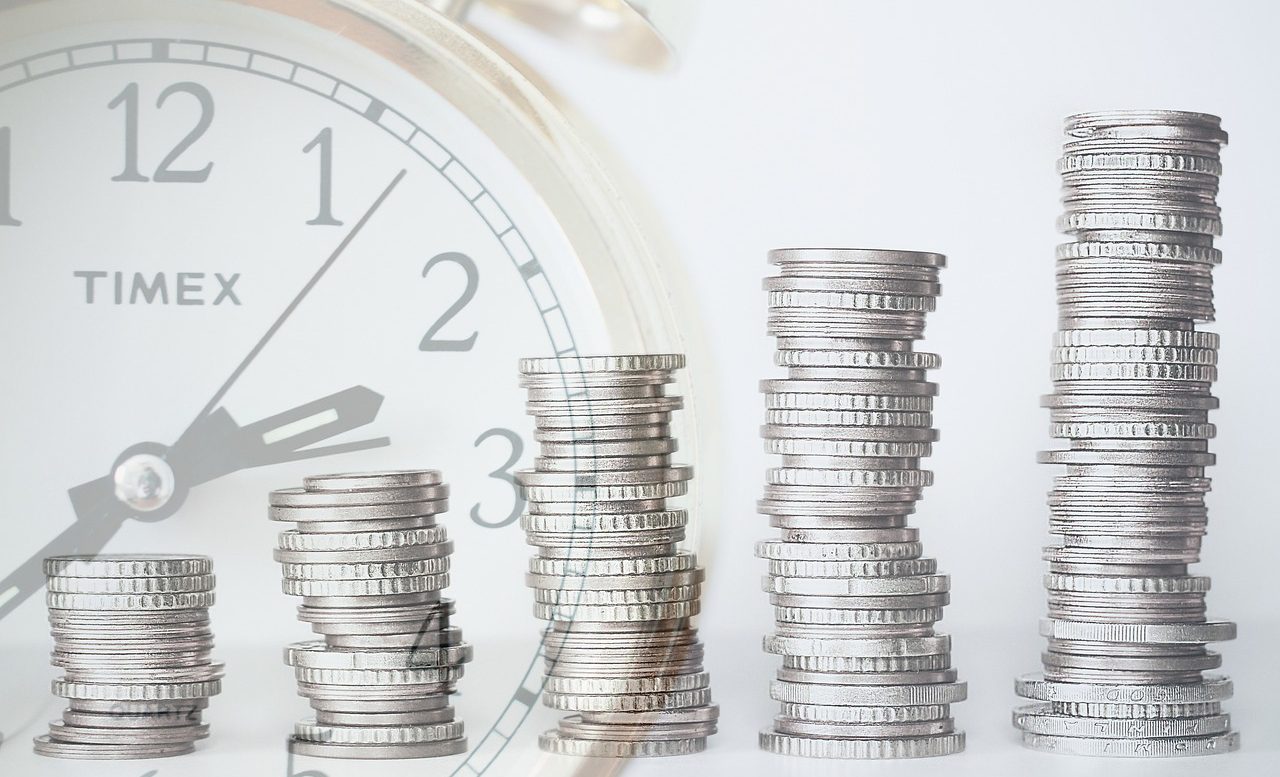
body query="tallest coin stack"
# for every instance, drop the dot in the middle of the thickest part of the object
(1123, 673)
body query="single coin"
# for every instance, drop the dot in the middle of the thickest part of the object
(875, 664)
(616, 597)
(679, 562)
(373, 481)
(317, 655)
(44, 745)
(127, 565)
(172, 735)
(407, 718)
(130, 585)
(852, 647)
(1211, 688)
(1133, 748)
(293, 540)
(432, 675)
(914, 585)
(613, 363)
(329, 517)
(388, 586)
(310, 731)
(573, 727)
(1174, 633)
(776, 550)
(628, 702)
(785, 725)
(626, 685)
(868, 678)
(321, 499)
(555, 742)
(617, 613)
(861, 749)
(708, 713)
(849, 715)
(130, 602)
(1040, 719)
(385, 752)
(852, 569)
(868, 695)
(153, 692)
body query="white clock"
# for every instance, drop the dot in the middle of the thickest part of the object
(245, 241)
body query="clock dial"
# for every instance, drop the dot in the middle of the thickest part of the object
(239, 248)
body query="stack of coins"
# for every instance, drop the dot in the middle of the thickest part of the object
(132, 635)
(621, 650)
(370, 562)
(1123, 673)
(863, 673)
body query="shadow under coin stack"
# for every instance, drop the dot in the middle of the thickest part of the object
(621, 650)
(863, 673)
(132, 634)
(370, 562)
(1132, 375)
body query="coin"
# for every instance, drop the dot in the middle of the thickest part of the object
(608, 575)
(132, 636)
(370, 562)
(895, 747)
(1132, 372)
(854, 599)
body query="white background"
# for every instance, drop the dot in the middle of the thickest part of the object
(935, 126)
(931, 126)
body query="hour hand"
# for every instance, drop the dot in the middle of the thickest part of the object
(215, 445)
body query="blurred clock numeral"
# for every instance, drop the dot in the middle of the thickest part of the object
(324, 142)
(429, 341)
(164, 173)
(504, 474)
(6, 175)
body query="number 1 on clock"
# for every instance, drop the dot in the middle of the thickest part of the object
(6, 174)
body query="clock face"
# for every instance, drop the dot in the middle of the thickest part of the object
(237, 249)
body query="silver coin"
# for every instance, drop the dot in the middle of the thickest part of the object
(316, 655)
(573, 727)
(373, 752)
(44, 745)
(628, 702)
(1133, 748)
(324, 499)
(407, 718)
(372, 481)
(868, 695)
(127, 565)
(324, 542)
(784, 725)
(310, 731)
(625, 685)
(1040, 719)
(431, 675)
(331, 515)
(172, 735)
(555, 742)
(861, 749)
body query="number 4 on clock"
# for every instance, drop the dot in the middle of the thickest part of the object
(6, 174)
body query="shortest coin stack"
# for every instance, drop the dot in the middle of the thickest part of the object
(132, 635)
(621, 651)
(370, 562)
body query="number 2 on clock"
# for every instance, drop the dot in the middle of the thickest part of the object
(6, 175)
